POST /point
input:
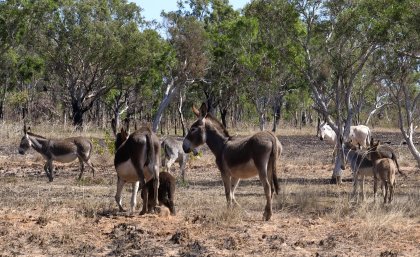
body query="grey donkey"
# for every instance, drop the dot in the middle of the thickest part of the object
(173, 152)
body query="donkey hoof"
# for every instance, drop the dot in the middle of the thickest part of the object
(267, 216)
(142, 212)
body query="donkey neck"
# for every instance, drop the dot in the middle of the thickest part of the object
(39, 144)
(216, 141)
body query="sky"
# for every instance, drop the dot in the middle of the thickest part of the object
(153, 8)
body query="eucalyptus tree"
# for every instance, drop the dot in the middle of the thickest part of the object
(81, 46)
(398, 69)
(274, 52)
(338, 39)
(188, 57)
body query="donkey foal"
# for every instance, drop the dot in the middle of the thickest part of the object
(384, 169)
(166, 192)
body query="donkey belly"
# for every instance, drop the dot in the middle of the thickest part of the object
(128, 173)
(367, 172)
(245, 170)
(65, 157)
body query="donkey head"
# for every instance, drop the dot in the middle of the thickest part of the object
(120, 138)
(25, 143)
(197, 133)
(323, 130)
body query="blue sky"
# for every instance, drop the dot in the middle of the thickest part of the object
(153, 8)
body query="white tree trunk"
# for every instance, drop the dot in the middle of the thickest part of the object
(169, 93)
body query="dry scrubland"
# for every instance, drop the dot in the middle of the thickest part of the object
(311, 217)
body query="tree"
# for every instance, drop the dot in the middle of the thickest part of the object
(338, 39)
(399, 63)
(188, 42)
(82, 44)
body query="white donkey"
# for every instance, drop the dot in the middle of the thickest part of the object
(359, 136)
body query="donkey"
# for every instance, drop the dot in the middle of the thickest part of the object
(166, 192)
(61, 150)
(359, 135)
(137, 162)
(172, 150)
(237, 158)
(384, 169)
(360, 165)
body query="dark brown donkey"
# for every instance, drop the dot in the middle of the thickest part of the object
(166, 192)
(61, 150)
(137, 162)
(237, 158)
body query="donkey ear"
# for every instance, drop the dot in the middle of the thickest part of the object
(114, 126)
(196, 111)
(124, 133)
(203, 110)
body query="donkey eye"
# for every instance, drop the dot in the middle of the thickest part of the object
(193, 129)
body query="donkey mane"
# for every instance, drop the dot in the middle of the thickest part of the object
(218, 125)
(35, 135)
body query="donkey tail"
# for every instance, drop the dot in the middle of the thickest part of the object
(273, 161)
(149, 150)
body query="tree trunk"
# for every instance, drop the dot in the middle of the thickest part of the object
(223, 113)
(1, 110)
(181, 115)
(262, 120)
(77, 114)
(277, 113)
(169, 93)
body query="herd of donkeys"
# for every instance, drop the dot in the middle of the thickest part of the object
(138, 154)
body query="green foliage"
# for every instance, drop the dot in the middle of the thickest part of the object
(17, 98)
(110, 143)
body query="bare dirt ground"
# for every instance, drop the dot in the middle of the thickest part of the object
(311, 217)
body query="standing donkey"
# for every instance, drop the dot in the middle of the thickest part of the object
(384, 169)
(137, 162)
(172, 152)
(61, 150)
(237, 158)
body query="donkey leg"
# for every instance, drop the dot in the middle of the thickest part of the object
(120, 186)
(234, 185)
(135, 188)
(49, 170)
(90, 165)
(267, 190)
(363, 188)
(182, 165)
(355, 185)
(386, 190)
(82, 168)
(227, 184)
(169, 164)
(145, 196)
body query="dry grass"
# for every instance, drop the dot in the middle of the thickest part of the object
(311, 217)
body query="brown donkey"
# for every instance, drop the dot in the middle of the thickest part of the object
(384, 169)
(237, 158)
(61, 150)
(166, 192)
(137, 162)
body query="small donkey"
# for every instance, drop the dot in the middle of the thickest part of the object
(61, 150)
(166, 192)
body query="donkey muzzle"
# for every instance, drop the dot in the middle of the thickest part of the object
(186, 146)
